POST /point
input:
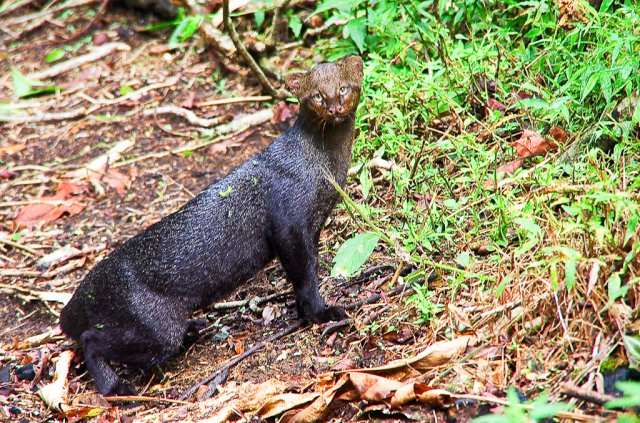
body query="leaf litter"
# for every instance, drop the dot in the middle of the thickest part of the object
(299, 387)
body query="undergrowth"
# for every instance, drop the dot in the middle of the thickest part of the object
(448, 87)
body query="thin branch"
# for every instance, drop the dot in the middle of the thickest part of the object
(245, 54)
(225, 368)
(223, 101)
(182, 112)
(96, 54)
(43, 13)
(277, 21)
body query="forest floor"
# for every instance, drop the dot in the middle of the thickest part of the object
(142, 189)
(145, 166)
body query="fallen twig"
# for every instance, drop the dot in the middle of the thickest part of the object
(225, 368)
(43, 13)
(185, 113)
(6, 8)
(585, 394)
(95, 54)
(241, 124)
(139, 398)
(46, 117)
(169, 82)
(222, 101)
(219, 133)
(245, 54)
(252, 302)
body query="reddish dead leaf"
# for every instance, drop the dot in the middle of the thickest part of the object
(53, 207)
(222, 146)
(511, 167)
(116, 180)
(100, 38)
(238, 347)
(188, 102)
(7, 174)
(558, 134)
(532, 144)
(12, 148)
(284, 112)
(493, 104)
(315, 21)
(402, 336)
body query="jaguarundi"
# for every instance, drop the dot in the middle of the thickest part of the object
(134, 306)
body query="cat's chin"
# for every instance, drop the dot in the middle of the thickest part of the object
(337, 120)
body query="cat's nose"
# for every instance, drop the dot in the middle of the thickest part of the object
(336, 110)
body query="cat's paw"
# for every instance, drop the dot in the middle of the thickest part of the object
(329, 314)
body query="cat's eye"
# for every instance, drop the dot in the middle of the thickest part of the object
(343, 90)
(317, 98)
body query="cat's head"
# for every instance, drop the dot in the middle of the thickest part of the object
(329, 92)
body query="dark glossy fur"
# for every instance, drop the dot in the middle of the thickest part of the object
(134, 306)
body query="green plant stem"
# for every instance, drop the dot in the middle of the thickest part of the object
(355, 206)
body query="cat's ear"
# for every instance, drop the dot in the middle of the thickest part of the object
(293, 82)
(353, 66)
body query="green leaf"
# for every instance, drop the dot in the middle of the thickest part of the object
(632, 346)
(353, 253)
(125, 89)
(635, 119)
(185, 29)
(570, 272)
(23, 87)
(615, 288)
(357, 31)
(605, 5)
(258, 16)
(54, 55)
(296, 25)
(366, 183)
(463, 259)
(631, 398)
(590, 85)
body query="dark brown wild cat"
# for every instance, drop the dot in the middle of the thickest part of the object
(134, 306)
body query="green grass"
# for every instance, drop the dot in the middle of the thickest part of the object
(563, 226)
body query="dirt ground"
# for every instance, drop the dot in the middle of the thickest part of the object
(151, 187)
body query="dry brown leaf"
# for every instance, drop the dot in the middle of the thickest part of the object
(509, 168)
(35, 214)
(284, 111)
(279, 404)
(532, 143)
(373, 388)
(558, 134)
(12, 148)
(434, 355)
(97, 170)
(116, 180)
(434, 397)
(55, 393)
(319, 408)
(572, 11)
(36, 340)
(460, 315)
